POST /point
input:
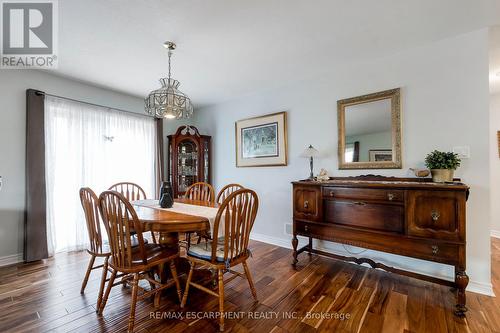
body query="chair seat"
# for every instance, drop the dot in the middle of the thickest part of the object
(204, 250)
(154, 252)
(135, 242)
(106, 250)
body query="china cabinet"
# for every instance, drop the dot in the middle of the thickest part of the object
(188, 159)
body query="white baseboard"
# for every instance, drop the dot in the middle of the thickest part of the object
(481, 288)
(495, 233)
(473, 286)
(12, 259)
(281, 242)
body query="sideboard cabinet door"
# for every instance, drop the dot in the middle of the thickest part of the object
(436, 214)
(307, 203)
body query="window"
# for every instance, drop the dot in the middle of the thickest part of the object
(90, 146)
(349, 152)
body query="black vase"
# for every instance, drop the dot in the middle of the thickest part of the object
(166, 195)
(166, 200)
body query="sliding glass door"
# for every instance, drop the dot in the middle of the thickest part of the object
(90, 146)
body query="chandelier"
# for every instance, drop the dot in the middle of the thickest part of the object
(168, 101)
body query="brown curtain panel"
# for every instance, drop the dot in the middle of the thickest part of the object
(35, 223)
(355, 157)
(160, 160)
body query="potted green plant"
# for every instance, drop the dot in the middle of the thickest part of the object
(442, 165)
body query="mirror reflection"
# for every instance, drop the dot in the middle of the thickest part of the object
(368, 132)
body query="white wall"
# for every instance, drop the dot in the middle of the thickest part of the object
(13, 84)
(444, 104)
(495, 164)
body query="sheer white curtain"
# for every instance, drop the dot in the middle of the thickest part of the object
(90, 146)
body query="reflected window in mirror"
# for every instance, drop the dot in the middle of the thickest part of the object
(352, 151)
(370, 131)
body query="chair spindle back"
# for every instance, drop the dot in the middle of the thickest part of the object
(226, 191)
(237, 215)
(200, 191)
(90, 205)
(120, 221)
(130, 191)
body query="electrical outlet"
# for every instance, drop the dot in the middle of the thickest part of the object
(288, 229)
(462, 151)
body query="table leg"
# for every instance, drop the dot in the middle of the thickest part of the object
(171, 240)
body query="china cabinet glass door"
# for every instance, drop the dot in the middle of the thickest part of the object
(206, 157)
(187, 164)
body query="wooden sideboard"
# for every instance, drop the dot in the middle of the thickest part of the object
(405, 216)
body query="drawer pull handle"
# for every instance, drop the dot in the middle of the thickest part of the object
(332, 193)
(306, 228)
(359, 203)
(306, 204)
(390, 196)
(435, 249)
(435, 216)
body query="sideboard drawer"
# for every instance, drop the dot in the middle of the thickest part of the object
(435, 214)
(374, 216)
(319, 230)
(439, 252)
(307, 203)
(363, 194)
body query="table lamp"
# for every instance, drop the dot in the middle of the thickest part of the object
(310, 152)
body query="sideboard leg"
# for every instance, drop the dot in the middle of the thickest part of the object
(461, 280)
(295, 243)
(310, 245)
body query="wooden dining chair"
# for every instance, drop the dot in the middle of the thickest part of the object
(235, 218)
(119, 218)
(226, 191)
(97, 248)
(130, 191)
(201, 192)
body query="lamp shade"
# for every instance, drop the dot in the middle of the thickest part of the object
(310, 152)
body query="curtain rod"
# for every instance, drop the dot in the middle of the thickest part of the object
(41, 93)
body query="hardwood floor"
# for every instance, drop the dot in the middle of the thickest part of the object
(45, 297)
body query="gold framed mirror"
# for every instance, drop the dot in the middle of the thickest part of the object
(369, 129)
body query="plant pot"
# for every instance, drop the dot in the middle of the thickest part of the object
(442, 175)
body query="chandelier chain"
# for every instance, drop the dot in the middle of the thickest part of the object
(169, 65)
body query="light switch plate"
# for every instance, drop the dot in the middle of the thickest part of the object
(462, 151)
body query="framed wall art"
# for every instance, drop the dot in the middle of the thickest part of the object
(498, 139)
(261, 141)
(380, 155)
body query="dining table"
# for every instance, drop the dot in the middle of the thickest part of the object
(185, 216)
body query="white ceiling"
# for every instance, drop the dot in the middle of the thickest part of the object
(228, 48)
